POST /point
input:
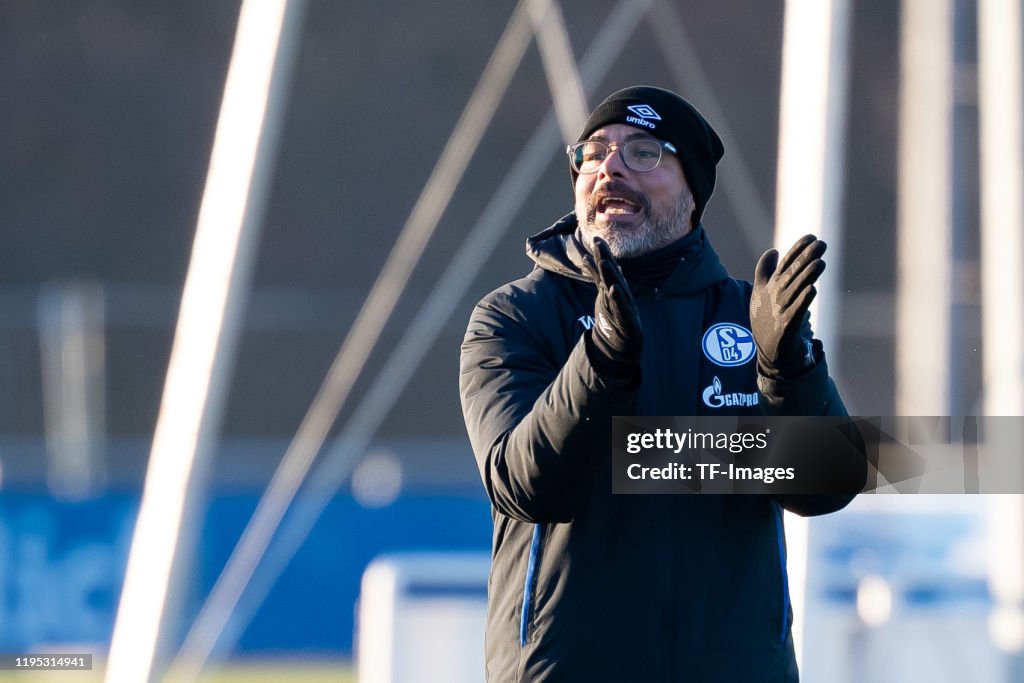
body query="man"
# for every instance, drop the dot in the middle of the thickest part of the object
(590, 586)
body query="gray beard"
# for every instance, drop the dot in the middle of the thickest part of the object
(656, 230)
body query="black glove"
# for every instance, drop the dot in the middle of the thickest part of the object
(783, 291)
(617, 335)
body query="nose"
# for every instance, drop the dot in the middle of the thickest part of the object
(613, 166)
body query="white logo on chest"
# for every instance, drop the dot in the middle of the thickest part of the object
(714, 398)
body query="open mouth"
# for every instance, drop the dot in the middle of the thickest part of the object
(613, 205)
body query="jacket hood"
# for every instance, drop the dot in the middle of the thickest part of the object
(558, 249)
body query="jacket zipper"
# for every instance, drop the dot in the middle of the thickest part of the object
(529, 584)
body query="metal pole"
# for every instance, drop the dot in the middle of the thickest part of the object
(72, 344)
(812, 129)
(1001, 108)
(206, 335)
(559, 67)
(810, 172)
(925, 214)
(1002, 212)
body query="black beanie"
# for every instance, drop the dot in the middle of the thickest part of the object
(668, 117)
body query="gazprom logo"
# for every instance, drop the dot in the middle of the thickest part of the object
(644, 115)
(714, 397)
(728, 344)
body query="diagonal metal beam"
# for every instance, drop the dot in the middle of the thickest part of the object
(752, 213)
(559, 66)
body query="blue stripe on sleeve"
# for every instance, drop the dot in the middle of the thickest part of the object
(531, 571)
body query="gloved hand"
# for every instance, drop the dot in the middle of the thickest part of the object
(783, 291)
(617, 335)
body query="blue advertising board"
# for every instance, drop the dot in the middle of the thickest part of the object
(62, 564)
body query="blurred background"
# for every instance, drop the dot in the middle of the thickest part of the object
(108, 119)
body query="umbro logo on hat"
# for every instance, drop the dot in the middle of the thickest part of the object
(644, 111)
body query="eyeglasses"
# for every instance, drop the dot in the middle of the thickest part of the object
(641, 155)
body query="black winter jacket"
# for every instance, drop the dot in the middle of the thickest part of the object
(590, 586)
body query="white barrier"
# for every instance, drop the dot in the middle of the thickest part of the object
(421, 618)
